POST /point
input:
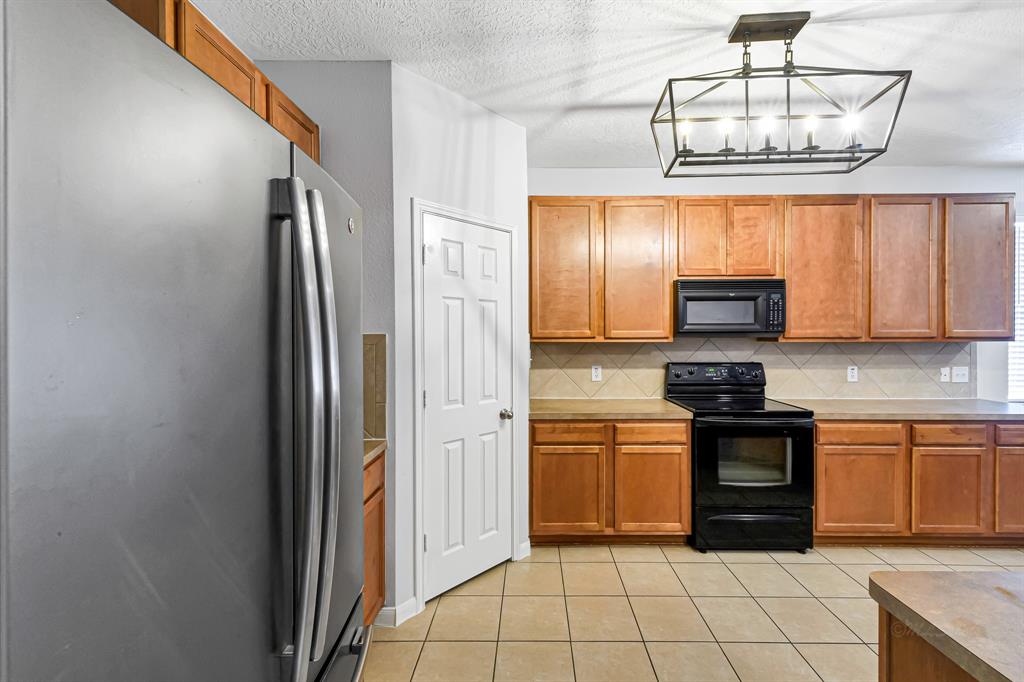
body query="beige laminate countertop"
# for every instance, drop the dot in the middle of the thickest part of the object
(974, 619)
(942, 410)
(373, 447)
(640, 408)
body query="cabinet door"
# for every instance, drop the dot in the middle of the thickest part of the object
(951, 490)
(652, 488)
(373, 556)
(904, 280)
(979, 267)
(568, 484)
(566, 269)
(860, 489)
(703, 237)
(637, 269)
(824, 268)
(292, 122)
(204, 45)
(1009, 490)
(751, 239)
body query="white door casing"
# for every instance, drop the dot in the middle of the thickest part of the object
(467, 380)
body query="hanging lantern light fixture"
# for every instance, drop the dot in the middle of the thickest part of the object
(753, 121)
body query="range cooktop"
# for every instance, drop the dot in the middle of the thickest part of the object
(733, 389)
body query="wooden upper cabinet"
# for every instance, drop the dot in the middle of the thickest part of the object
(751, 243)
(952, 490)
(156, 16)
(292, 122)
(202, 43)
(637, 269)
(566, 269)
(703, 235)
(824, 249)
(904, 273)
(979, 266)
(727, 237)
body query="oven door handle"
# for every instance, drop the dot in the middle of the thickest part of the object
(756, 518)
(740, 422)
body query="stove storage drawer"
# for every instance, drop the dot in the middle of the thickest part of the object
(743, 528)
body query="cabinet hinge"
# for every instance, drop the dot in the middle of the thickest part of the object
(424, 542)
(424, 398)
(424, 250)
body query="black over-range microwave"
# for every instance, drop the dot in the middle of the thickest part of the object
(754, 307)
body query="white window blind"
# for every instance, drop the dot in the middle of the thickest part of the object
(1017, 347)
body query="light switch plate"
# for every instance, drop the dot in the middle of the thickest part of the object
(961, 375)
(852, 374)
(595, 372)
(944, 375)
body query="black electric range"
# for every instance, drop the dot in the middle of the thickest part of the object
(752, 458)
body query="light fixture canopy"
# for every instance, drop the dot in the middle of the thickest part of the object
(846, 116)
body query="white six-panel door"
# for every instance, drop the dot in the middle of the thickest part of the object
(467, 445)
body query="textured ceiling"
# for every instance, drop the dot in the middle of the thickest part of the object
(583, 75)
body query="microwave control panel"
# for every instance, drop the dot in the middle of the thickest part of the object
(776, 321)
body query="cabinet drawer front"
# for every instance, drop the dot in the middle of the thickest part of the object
(563, 432)
(650, 433)
(949, 434)
(1009, 435)
(860, 434)
(373, 477)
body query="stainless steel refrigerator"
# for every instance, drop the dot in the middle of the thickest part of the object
(181, 437)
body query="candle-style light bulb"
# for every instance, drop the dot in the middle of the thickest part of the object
(683, 129)
(852, 123)
(767, 124)
(725, 127)
(811, 123)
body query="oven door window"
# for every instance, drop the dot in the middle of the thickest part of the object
(755, 462)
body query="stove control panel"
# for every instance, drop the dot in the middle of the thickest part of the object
(713, 373)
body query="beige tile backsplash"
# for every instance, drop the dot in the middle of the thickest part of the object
(794, 370)
(375, 386)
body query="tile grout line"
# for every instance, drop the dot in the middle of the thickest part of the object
(565, 605)
(643, 642)
(497, 637)
(714, 637)
(423, 644)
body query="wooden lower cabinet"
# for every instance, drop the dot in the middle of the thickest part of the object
(1009, 503)
(373, 539)
(860, 489)
(951, 490)
(590, 478)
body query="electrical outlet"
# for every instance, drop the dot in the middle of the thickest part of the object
(851, 374)
(961, 375)
(944, 375)
(595, 372)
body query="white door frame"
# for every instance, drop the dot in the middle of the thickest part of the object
(420, 209)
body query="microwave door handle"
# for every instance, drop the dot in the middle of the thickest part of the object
(332, 411)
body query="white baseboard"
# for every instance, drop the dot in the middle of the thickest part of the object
(393, 616)
(522, 551)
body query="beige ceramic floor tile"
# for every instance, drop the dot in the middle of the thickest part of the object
(533, 618)
(391, 661)
(848, 555)
(860, 615)
(826, 581)
(585, 553)
(456, 662)
(956, 556)
(709, 580)
(921, 567)
(638, 553)
(490, 582)
(737, 619)
(690, 662)
(861, 572)
(794, 557)
(685, 554)
(611, 662)
(769, 663)
(535, 661)
(806, 620)
(742, 556)
(669, 619)
(1003, 557)
(591, 579)
(762, 580)
(414, 629)
(533, 579)
(968, 569)
(841, 662)
(466, 619)
(901, 555)
(650, 579)
(601, 619)
(542, 554)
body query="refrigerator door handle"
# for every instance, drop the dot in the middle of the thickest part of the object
(310, 421)
(332, 411)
